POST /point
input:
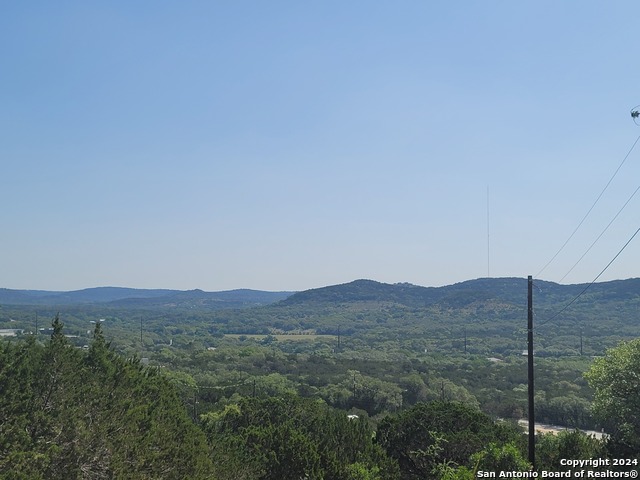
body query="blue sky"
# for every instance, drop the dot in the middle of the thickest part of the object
(291, 145)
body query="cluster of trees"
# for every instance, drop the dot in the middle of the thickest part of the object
(391, 369)
(379, 382)
(616, 380)
(429, 437)
(67, 413)
(253, 411)
(291, 437)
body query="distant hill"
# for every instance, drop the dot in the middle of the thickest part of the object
(142, 298)
(198, 299)
(478, 292)
(490, 312)
(504, 290)
(486, 315)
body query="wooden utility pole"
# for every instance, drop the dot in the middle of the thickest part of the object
(532, 427)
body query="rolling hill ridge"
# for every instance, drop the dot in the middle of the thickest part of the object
(143, 298)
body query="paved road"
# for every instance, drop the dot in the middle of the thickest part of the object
(545, 428)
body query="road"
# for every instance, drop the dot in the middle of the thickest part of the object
(545, 428)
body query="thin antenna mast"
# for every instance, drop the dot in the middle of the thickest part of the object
(488, 239)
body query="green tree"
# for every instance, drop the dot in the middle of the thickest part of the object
(551, 448)
(616, 382)
(71, 414)
(493, 458)
(292, 437)
(429, 436)
(500, 458)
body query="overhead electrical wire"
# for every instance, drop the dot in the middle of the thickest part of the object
(601, 234)
(592, 282)
(635, 115)
(590, 209)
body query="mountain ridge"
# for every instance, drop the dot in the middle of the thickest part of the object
(510, 290)
(135, 297)
(507, 289)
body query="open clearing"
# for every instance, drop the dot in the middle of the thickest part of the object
(284, 337)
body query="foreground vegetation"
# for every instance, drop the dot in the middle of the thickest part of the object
(91, 413)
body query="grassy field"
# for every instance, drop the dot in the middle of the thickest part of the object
(284, 337)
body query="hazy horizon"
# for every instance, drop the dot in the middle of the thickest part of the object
(289, 290)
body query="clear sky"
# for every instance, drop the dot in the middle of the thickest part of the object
(291, 145)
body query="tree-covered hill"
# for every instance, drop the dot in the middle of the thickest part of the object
(478, 292)
(142, 298)
(548, 295)
(198, 299)
(483, 316)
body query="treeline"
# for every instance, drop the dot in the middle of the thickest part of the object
(381, 371)
(378, 381)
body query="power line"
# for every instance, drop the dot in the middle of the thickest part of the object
(592, 282)
(590, 209)
(601, 234)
